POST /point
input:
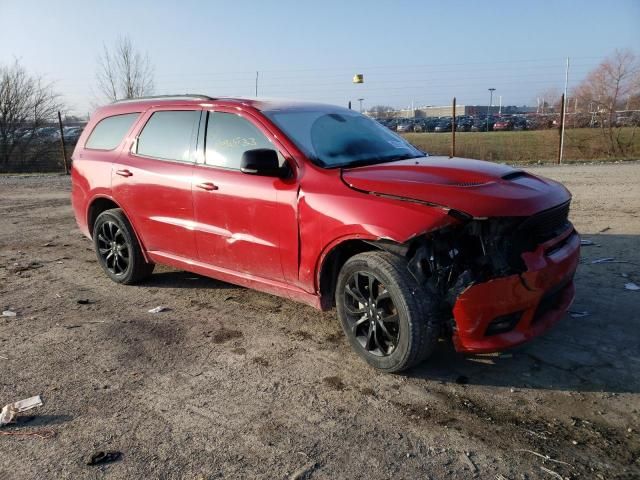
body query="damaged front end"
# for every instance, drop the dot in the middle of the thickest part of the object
(500, 281)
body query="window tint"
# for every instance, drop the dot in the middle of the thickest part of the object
(110, 131)
(168, 135)
(228, 137)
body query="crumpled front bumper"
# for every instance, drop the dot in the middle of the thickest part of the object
(534, 300)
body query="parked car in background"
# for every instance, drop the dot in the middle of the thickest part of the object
(46, 134)
(443, 126)
(323, 205)
(71, 134)
(404, 127)
(22, 134)
(503, 124)
(520, 123)
(430, 124)
(464, 124)
(482, 125)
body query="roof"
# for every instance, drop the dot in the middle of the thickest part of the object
(263, 104)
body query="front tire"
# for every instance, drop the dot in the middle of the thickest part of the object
(386, 315)
(118, 250)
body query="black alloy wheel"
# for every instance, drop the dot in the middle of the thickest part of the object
(371, 314)
(387, 316)
(113, 248)
(118, 249)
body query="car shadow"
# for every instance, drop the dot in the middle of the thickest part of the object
(594, 348)
(182, 279)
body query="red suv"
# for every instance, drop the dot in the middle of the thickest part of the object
(323, 205)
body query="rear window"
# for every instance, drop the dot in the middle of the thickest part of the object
(110, 131)
(168, 135)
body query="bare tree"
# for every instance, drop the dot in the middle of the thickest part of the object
(380, 111)
(124, 72)
(549, 100)
(26, 103)
(611, 86)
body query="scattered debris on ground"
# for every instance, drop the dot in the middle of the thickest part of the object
(236, 389)
(159, 309)
(100, 458)
(11, 411)
(603, 260)
(588, 243)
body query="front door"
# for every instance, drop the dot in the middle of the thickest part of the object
(241, 219)
(152, 181)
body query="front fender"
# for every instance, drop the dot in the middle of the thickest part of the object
(330, 213)
(400, 233)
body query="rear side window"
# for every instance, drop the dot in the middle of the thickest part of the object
(168, 135)
(228, 137)
(110, 131)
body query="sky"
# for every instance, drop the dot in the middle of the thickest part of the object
(410, 52)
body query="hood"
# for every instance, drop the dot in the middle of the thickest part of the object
(475, 187)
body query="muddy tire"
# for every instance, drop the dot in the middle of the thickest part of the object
(387, 317)
(118, 250)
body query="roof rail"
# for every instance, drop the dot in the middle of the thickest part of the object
(191, 96)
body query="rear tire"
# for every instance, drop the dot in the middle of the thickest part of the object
(118, 250)
(386, 315)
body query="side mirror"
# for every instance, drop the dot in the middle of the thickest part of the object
(261, 161)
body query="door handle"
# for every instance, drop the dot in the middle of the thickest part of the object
(208, 186)
(124, 173)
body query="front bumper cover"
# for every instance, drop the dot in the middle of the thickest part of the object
(539, 297)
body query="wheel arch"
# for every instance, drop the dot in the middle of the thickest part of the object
(96, 207)
(103, 203)
(339, 252)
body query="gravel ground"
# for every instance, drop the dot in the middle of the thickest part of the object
(238, 384)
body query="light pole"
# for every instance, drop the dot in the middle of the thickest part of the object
(491, 90)
(361, 100)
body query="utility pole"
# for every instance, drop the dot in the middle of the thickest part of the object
(453, 129)
(62, 145)
(564, 112)
(256, 84)
(491, 90)
(500, 103)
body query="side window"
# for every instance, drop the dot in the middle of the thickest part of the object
(168, 135)
(110, 131)
(229, 136)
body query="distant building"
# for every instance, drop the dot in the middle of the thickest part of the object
(446, 110)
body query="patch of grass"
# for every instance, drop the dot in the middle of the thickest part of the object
(581, 144)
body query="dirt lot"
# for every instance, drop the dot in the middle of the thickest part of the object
(238, 384)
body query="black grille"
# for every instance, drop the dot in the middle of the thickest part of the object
(547, 224)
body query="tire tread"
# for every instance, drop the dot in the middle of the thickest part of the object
(423, 324)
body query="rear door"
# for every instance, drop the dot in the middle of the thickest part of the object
(152, 180)
(242, 219)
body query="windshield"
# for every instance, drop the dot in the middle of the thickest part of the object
(342, 138)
